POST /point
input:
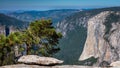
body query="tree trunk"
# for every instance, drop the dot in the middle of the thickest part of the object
(27, 49)
(16, 51)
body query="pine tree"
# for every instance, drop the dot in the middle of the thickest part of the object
(49, 38)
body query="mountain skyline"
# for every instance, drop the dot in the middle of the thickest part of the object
(55, 4)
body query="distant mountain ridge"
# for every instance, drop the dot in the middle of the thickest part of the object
(9, 21)
(55, 15)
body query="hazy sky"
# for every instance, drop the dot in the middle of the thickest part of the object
(55, 4)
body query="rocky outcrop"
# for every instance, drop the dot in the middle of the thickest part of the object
(115, 64)
(103, 38)
(34, 59)
(12, 29)
(6, 30)
(2, 29)
(60, 66)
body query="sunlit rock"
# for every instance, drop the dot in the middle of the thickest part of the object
(34, 59)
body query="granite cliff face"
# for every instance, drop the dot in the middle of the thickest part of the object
(103, 38)
(74, 30)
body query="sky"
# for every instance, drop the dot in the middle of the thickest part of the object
(55, 4)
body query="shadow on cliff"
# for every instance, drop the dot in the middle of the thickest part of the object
(72, 46)
(89, 62)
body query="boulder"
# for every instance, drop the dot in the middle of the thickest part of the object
(115, 64)
(34, 59)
